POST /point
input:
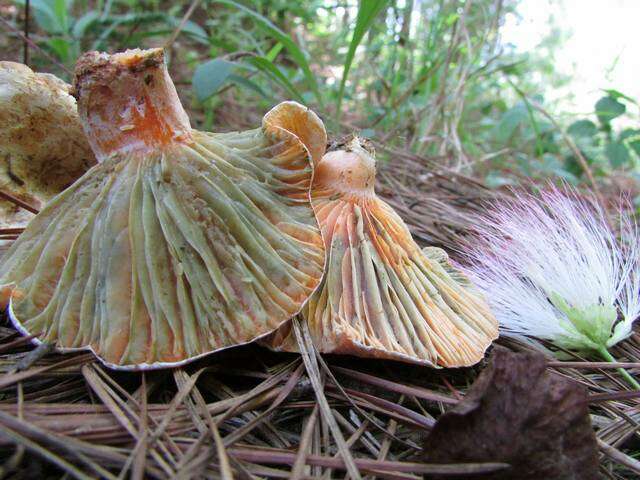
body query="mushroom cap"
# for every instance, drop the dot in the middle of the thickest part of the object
(347, 171)
(382, 296)
(42, 147)
(178, 243)
(301, 122)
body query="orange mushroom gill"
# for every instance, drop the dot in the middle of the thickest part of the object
(382, 296)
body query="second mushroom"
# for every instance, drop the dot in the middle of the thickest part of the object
(382, 296)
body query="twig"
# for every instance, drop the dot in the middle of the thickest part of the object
(286, 458)
(308, 352)
(32, 357)
(25, 58)
(15, 200)
(618, 456)
(11, 231)
(594, 365)
(34, 45)
(182, 23)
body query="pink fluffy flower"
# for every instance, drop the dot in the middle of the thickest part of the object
(552, 268)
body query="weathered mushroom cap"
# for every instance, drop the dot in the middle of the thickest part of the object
(303, 123)
(178, 243)
(382, 296)
(42, 147)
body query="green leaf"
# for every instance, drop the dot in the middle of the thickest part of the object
(60, 47)
(273, 53)
(210, 76)
(616, 94)
(631, 137)
(368, 10)
(84, 22)
(44, 11)
(275, 74)
(190, 28)
(608, 108)
(510, 120)
(367, 133)
(617, 153)
(245, 82)
(294, 50)
(582, 128)
(61, 9)
(497, 180)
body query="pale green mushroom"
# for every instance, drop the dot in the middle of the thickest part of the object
(177, 243)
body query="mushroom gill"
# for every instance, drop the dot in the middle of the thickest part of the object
(382, 296)
(177, 243)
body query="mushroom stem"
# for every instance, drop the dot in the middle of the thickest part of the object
(350, 171)
(128, 102)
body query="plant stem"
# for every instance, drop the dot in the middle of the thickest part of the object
(604, 353)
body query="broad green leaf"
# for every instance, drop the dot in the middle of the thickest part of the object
(552, 165)
(510, 120)
(44, 12)
(574, 167)
(608, 108)
(210, 76)
(616, 94)
(274, 73)
(245, 82)
(368, 10)
(582, 128)
(294, 50)
(631, 137)
(617, 153)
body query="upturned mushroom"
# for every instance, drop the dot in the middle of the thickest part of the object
(382, 296)
(177, 243)
(43, 149)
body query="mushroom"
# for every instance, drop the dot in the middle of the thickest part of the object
(43, 149)
(382, 296)
(177, 243)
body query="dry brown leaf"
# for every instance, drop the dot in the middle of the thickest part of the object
(519, 413)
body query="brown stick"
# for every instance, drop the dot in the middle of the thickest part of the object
(620, 457)
(285, 458)
(14, 200)
(34, 45)
(594, 365)
(26, 33)
(11, 231)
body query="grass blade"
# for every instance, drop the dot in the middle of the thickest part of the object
(266, 66)
(368, 10)
(287, 42)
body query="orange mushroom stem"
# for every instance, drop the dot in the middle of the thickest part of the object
(128, 102)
